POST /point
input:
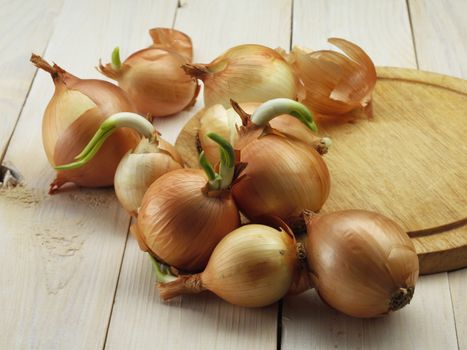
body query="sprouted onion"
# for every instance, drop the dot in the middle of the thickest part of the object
(283, 177)
(362, 263)
(73, 115)
(186, 212)
(225, 122)
(246, 73)
(252, 266)
(140, 167)
(153, 77)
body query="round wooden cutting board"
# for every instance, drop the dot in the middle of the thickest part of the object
(409, 162)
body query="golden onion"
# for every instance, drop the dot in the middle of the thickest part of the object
(72, 116)
(362, 263)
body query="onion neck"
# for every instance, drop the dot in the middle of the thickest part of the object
(198, 71)
(115, 69)
(107, 128)
(223, 179)
(275, 107)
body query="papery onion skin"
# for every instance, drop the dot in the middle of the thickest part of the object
(282, 178)
(71, 118)
(225, 122)
(181, 223)
(154, 79)
(335, 83)
(246, 73)
(252, 266)
(173, 41)
(140, 168)
(363, 264)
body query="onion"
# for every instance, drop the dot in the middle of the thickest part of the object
(246, 73)
(140, 168)
(73, 115)
(283, 177)
(335, 83)
(153, 77)
(362, 263)
(225, 122)
(252, 266)
(186, 212)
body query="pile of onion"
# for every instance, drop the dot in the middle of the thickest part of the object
(153, 77)
(361, 263)
(246, 73)
(73, 115)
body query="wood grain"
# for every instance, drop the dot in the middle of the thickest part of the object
(61, 255)
(25, 28)
(440, 30)
(139, 319)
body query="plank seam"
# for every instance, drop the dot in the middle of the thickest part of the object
(407, 2)
(280, 303)
(291, 25)
(116, 285)
(279, 325)
(178, 7)
(453, 311)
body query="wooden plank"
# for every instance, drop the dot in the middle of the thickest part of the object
(25, 27)
(440, 30)
(203, 321)
(309, 323)
(61, 255)
(383, 30)
(386, 39)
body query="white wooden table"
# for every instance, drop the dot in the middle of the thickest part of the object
(70, 275)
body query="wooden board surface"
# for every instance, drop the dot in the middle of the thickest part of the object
(405, 163)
